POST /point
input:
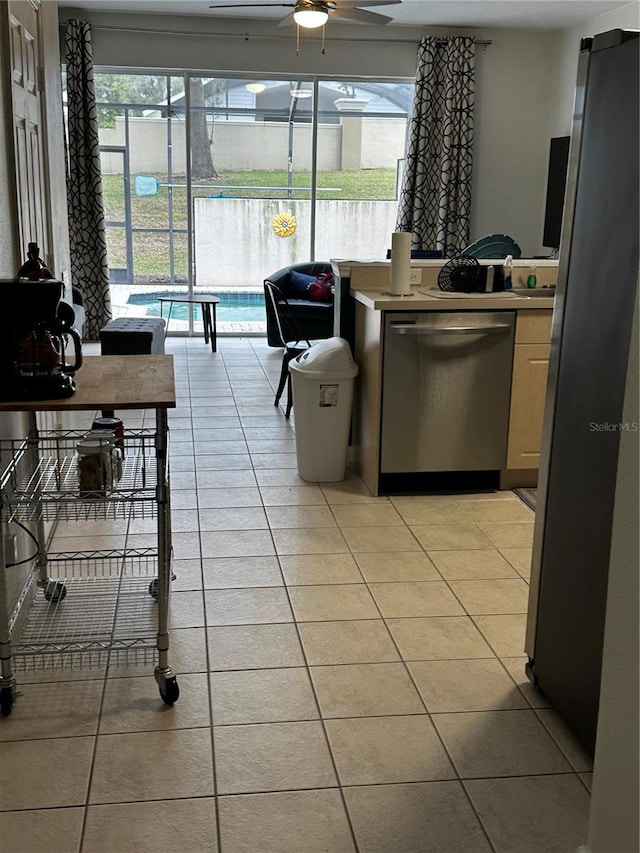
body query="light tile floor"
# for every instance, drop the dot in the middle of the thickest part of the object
(351, 668)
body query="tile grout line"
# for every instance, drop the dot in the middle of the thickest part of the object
(435, 728)
(206, 645)
(321, 718)
(97, 735)
(424, 703)
(404, 663)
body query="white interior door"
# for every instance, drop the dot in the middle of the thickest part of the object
(27, 125)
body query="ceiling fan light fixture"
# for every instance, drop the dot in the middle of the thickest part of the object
(300, 93)
(255, 88)
(310, 19)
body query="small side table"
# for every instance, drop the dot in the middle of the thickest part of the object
(207, 305)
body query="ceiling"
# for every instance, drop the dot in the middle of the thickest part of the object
(525, 14)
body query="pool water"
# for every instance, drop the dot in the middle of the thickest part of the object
(233, 307)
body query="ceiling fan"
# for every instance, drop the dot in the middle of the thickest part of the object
(315, 13)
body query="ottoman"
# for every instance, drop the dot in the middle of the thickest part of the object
(133, 336)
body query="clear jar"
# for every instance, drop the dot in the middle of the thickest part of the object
(95, 476)
(116, 453)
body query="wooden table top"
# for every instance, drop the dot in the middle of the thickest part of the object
(112, 382)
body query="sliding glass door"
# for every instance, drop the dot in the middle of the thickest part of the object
(211, 183)
(142, 147)
(251, 147)
(357, 189)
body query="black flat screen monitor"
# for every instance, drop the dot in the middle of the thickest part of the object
(556, 181)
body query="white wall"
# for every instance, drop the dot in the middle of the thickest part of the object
(515, 87)
(258, 145)
(514, 92)
(237, 146)
(204, 44)
(566, 60)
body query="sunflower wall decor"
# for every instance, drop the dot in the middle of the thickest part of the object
(284, 224)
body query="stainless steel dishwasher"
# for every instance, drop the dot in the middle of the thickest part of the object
(446, 390)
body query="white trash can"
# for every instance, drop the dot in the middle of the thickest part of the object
(322, 382)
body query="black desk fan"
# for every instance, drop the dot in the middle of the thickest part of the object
(462, 274)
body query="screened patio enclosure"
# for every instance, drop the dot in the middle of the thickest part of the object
(198, 172)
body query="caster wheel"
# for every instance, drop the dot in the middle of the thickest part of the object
(6, 701)
(171, 691)
(153, 587)
(55, 591)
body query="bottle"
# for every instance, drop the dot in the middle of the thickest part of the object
(508, 272)
(532, 279)
(34, 267)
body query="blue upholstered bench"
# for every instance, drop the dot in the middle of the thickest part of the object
(133, 336)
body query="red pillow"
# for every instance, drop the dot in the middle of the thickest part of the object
(320, 289)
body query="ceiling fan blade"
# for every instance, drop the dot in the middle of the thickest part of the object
(251, 5)
(360, 15)
(355, 4)
(287, 21)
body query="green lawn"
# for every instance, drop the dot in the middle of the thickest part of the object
(152, 211)
(151, 250)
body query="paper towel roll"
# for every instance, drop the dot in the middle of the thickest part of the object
(400, 276)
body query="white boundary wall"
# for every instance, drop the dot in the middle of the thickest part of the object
(236, 246)
(247, 146)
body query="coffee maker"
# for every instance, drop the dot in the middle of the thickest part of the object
(35, 331)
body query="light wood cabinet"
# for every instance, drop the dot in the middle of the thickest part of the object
(533, 327)
(528, 392)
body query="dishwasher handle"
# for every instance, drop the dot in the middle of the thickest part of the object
(416, 329)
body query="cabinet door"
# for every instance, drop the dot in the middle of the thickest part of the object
(28, 125)
(528, 391)
(534, 326)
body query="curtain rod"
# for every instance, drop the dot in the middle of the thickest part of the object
(247, 36)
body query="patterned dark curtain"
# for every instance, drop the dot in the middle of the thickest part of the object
(89, 267)
(435, 200)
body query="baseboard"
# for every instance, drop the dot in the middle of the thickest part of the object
(519, 478)
(438, 482)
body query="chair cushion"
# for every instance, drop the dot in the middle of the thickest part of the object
(299, 284)
(305, 309)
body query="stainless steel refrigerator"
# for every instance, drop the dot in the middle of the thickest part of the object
(595, 298)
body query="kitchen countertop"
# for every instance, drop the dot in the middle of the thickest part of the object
(379, 301)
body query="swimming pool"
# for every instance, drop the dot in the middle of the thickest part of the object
(234, 307)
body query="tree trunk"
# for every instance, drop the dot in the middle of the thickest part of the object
(201, 159)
